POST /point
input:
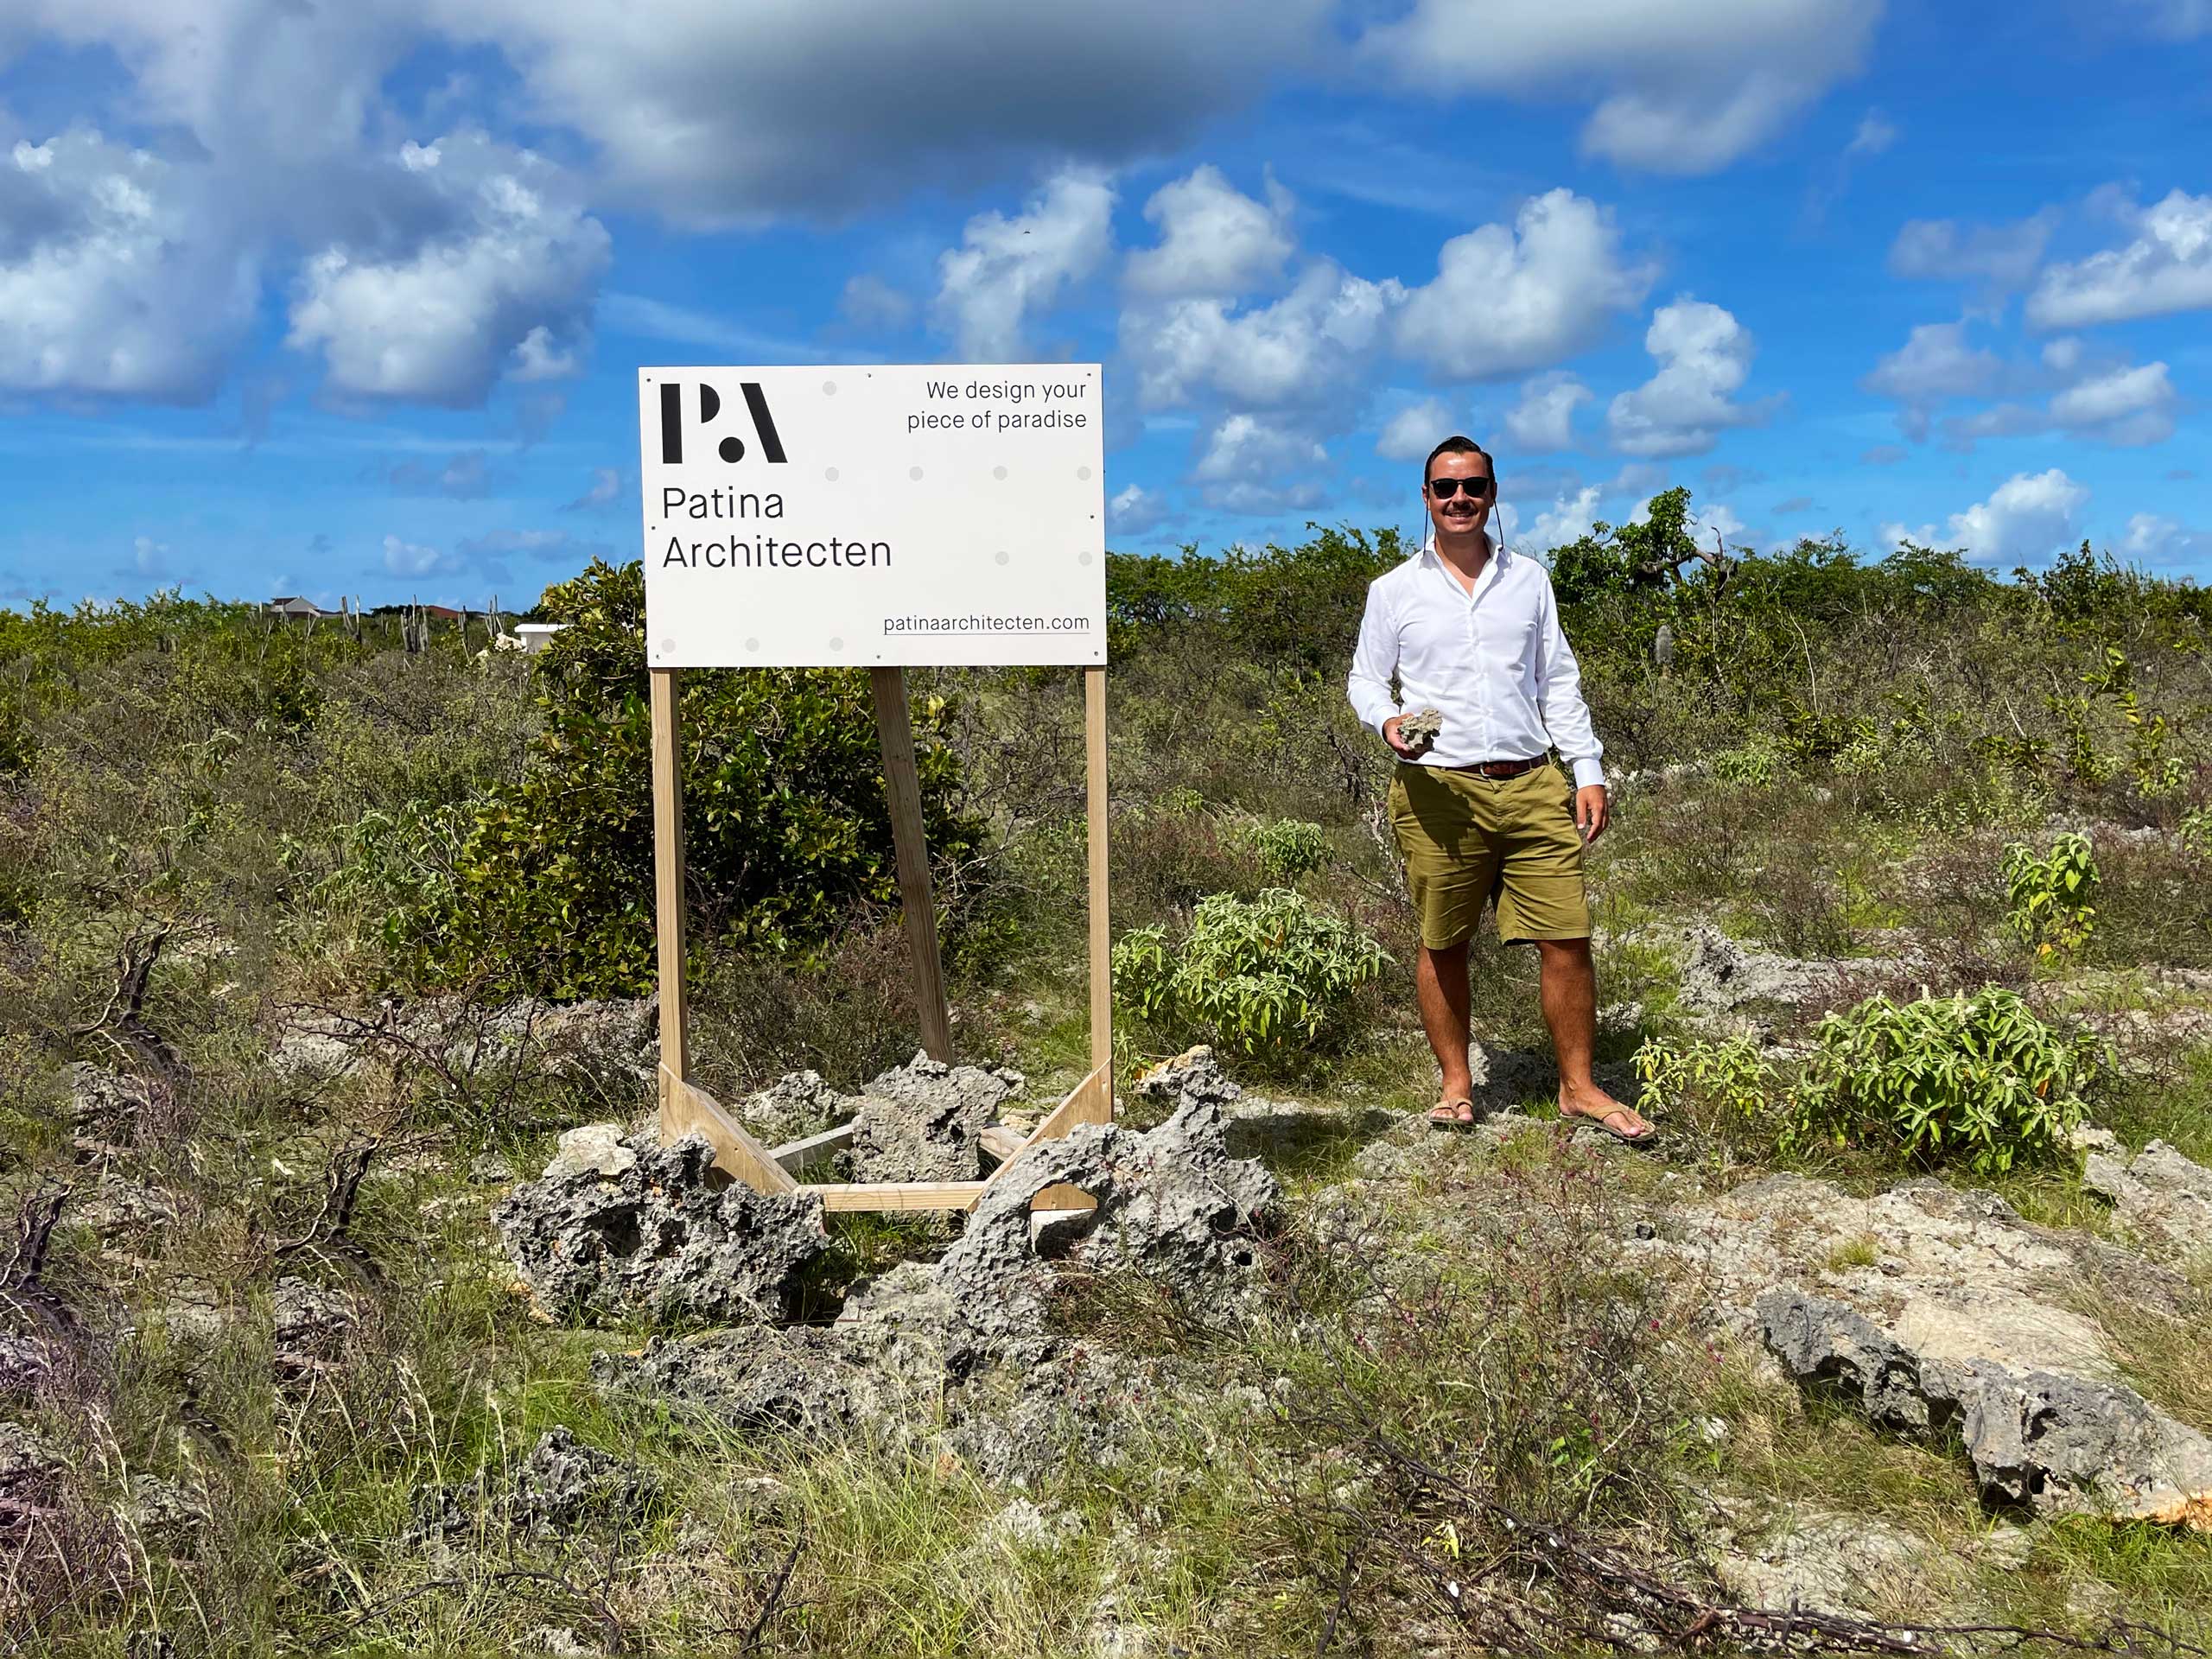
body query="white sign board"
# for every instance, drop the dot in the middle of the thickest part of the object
(869, 516)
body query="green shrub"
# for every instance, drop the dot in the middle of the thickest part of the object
(1251, 974)
(2195, 831)
(2050, 896)
(16, 748)
(1979, 1078)
(786, 828)
(1758, 764)
(1286, 848)
(1713, 1081)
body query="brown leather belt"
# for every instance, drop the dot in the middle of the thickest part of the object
(1500, 768)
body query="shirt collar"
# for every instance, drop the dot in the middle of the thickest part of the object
(1498, 555)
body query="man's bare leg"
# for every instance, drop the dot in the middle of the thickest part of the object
(1570, 996)
(1440, 979)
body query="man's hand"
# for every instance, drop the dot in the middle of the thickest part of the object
(1591, 814)
(1405, 750)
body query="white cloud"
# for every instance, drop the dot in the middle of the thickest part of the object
(2027, 517)
(511, 271)
(1005, 269)
(1246, 446)
(1719, 520)
(1875, 134)
(410, 559)
(716, 113)
(539, 357)
(2151, 539)
(606, 487)
(2098, 399)
(1252, 465)
(465, 477)
(2174, 20)
(1704, 356)
(2004, 257)
(1313, 345)
(2166, 268)
(1415, 430)
(1507, 300)
(1214, 239)
(1135, 510)
(1936, 362)
(870, 303)
(1567, 519)
(1681, 88)
(2127, 405)
(651, 319)
(119, 272)
(1544, 418)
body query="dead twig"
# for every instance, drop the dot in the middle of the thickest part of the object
(22, 1281)
(328, 1232)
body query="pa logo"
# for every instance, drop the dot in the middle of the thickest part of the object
(731, 448)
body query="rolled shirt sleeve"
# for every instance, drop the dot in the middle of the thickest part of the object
(1558, 698)
(1373, 660)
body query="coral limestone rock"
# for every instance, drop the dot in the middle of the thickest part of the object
(658, 1237)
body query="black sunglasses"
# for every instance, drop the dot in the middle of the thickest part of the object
(1444, 488)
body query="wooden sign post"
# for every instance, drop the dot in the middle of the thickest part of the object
(685, 1107)
(895, 728)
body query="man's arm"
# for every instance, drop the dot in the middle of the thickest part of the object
(1373, 660)
(1566, 718)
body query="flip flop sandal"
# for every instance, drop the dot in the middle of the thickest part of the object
(1600, 1124)
(1445, 1115)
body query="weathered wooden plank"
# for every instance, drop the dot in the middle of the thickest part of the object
(812, 1150)
(736, 1151)
(1081, 1104)
(1102, 940)
(1002, 1141)
(896, 1195)
(668, 889)
(1062, 1198)
(903, 787)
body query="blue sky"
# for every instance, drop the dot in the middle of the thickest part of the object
(297, 297)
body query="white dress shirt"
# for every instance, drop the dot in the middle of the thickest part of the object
(1493, 661)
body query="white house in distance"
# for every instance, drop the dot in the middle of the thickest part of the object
(296, 606)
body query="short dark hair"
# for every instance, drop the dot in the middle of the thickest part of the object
(1456, 445)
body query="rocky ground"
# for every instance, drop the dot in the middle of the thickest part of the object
(2015, 1366)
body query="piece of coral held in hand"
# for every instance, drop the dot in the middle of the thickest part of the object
(1420, 730)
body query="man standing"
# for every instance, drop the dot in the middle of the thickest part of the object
(1473, 630)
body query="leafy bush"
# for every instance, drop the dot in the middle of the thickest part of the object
(786, 825)
(1714, 1081)
(1286, 848)
(2050, 896)
(1979, 1078)
(1252, 973)
(1758, 764)
(16, 749)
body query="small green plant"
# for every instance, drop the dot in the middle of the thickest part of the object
(1729, 1079)
(1974, 1078)
(2050, 908)
(1863, 1250)
(1758, 764)
(16, 748)
(1286, 848)
(2195, 831)
(1253, 974)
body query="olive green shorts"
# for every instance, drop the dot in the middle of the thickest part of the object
(1467, 840)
